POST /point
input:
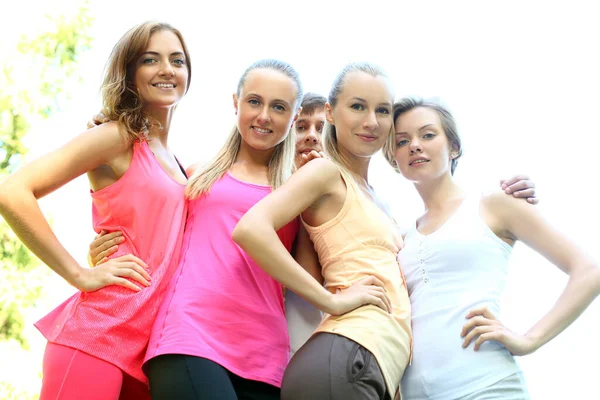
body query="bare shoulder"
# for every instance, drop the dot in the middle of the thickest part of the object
(111, 136)
(320, 171)
(500, 204)
(504, 214)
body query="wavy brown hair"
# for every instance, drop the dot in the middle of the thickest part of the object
(120, 99)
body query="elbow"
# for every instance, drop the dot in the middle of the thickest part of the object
(589, 276)
(241, 232)
(5, 191)
(12, 194)
(594, 276)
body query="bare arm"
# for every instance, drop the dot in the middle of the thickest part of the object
(256, 234)
(521, 221)
(19, 207)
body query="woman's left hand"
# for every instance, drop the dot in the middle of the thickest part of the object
(483, 326)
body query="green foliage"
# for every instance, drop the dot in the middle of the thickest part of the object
(33, 80)
(9, 392)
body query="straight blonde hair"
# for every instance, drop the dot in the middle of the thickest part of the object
(281, 163)
(330, 142)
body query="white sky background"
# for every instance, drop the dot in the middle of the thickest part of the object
(521, 79)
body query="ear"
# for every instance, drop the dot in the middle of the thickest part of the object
(454, 151)
(297, 116)
(235, 103)
(329, 114)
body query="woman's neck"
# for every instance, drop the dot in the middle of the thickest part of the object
(358, 166)
(162, 123)
(438, 192)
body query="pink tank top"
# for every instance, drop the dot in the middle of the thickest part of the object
(220, 305)
(114, 323)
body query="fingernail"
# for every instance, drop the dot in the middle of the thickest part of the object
(121, 239)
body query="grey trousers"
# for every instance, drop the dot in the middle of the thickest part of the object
(333, 367)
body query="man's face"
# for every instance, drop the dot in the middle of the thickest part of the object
(308, 132)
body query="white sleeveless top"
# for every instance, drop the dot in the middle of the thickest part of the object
(460, 266)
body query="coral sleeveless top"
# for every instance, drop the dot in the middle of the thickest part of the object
(114, 323)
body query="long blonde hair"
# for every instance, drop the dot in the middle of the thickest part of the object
(330, 141)
(282, 160)
(120, 99)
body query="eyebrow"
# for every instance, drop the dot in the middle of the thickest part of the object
(154, 53)
(420, 129)
(364, 101)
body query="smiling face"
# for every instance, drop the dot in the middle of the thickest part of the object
(362, 114)
(423, 151)
(265, 108)
(161, 71)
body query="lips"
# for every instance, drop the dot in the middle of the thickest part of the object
(418, 161)
(367, 138)
(261, 131)
(307, 150)
(165, 85)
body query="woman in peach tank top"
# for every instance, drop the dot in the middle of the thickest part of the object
(357, 352)
(97, 338)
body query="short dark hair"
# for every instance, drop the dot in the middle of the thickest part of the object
(311, 102)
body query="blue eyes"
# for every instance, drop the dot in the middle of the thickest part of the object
(405, 142)
(361, 107)
(276, 107)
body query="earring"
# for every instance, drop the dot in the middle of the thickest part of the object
(453, 155)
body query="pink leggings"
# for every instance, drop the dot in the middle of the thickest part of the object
(72, 374)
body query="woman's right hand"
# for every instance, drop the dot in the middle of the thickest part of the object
(97, 120)
(368, 290)
(114, 272)
(103, 245)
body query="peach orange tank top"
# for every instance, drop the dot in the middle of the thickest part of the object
(361, 241)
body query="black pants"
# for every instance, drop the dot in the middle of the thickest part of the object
(182, 377)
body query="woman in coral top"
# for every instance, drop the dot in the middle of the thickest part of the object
(97, 338)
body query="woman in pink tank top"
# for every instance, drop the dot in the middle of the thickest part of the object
(97, 339)
(221, 331)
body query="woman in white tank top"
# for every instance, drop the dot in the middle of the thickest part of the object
(455, 261)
